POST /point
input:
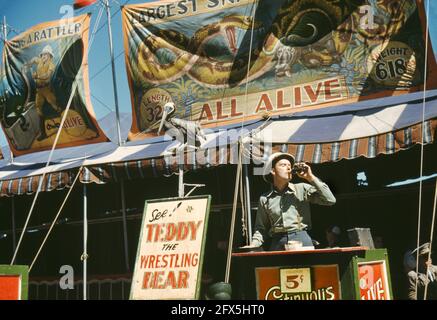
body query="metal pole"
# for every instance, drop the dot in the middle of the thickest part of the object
(5, 30)
(5, 38)
(85, 242)
(234, 213)
(125, 239)
(248, 208)
(181, 190)
(114, 80)
(14, 237)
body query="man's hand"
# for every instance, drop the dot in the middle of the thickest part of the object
(307, 173)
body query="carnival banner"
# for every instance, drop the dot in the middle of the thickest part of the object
(201, 55)
(40, 67)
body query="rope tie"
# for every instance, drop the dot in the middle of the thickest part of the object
(422, 147)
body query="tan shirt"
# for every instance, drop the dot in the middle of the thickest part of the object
(289, 210)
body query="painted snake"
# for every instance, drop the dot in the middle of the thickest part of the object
(303, 25)
(191, 59)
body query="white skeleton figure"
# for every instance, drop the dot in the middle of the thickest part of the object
(188, 133)
(285, 56)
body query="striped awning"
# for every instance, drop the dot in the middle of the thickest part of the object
(108, 162)
(367, 128)
(314, 153)
(161, 166)
(28, 185)
(369, 147)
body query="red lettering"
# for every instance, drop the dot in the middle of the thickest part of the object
(157, 277)
(149, 228)
(193, 226)
(171, 232)
(310, 92)
(166, 232)
(297, 96)
(234, 112)
(157, 232)
(329, 85)
(151, 262)
(146, 280)
(183, 278)
(206, 113)
(220, 111)
(171, 280)
(280, 100)
(161, 280)
(264, 103)
(182, 231)
(144, 261)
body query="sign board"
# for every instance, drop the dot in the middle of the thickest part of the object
(13, 282)
(170, 250)
(373, 281)
(318, 282)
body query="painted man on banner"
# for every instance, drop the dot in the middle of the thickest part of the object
(44, 91)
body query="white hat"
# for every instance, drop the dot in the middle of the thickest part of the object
(47, 49)
(271, 161)
(423, 249)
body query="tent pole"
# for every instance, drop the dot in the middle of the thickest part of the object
(85, 242)
(181, 190)
(5, 29)
(248, 208)
(5, 38)
(114, 80)
(14, 237)
(125, 239)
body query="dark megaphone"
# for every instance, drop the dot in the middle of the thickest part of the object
(169, 109)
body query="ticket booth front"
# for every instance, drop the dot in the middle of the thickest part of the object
(351, 273)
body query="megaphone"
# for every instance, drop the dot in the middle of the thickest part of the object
(169, 109)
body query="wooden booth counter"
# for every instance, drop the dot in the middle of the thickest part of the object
(320, 274)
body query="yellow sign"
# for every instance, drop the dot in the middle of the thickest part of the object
(295, 280)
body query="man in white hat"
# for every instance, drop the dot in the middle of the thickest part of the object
(284, 211)
(42, 76)
(426, 275)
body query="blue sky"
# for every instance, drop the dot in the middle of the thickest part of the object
(23, 14)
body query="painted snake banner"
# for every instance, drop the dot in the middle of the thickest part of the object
(233, 60)
(39, 70)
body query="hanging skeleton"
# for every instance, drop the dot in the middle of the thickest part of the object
(188, 133)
